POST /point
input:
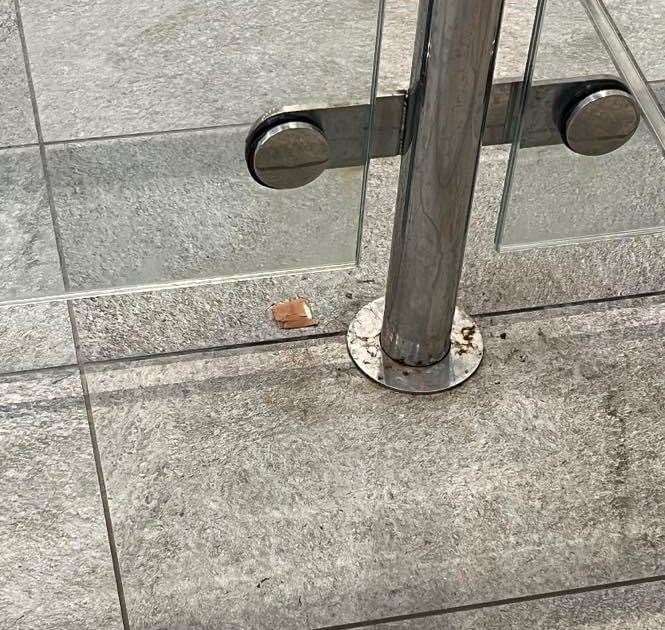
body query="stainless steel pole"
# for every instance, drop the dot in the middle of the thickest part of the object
(451, 81)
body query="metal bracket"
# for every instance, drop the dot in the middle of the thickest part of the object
(345, 127)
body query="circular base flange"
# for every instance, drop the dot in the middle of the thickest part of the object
(364, 343)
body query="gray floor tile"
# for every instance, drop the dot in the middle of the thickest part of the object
(195, 318)
(575, 197)
(642, 25)
(108, 69)
(35, 336)
(282, 489)
(399, 35)
(171, 321)
(399, 31)
(129, 216)
(17, 123)
(55, 566)
(29, 264)
(569, 45)
(516, 33)
(630, 608)
(239, 312)
(167, 321)
(587, 270)
(183, 206)
(147, 50)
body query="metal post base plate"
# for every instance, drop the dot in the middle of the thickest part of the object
(364, 343)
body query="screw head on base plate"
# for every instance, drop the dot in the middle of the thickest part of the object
(364, 344)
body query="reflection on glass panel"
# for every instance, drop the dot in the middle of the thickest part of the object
(627, 66)
(29, 262)
(182, 206)
(642, 26)
(555, 196)
(145, 109)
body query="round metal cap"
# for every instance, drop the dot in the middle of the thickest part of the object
(290, 155)
(602, 122)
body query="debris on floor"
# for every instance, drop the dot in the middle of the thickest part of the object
(293, 314)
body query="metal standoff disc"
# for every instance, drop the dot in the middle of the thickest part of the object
(290, 155)
(602, 122)
(364, 344)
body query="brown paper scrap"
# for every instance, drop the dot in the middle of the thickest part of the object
(293, 314)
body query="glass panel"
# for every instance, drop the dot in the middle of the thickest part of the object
(628, 67)
(144, 109)
(642, 26)
(555, 196)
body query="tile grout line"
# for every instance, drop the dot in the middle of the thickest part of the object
(562, 305)
(341, 332)
(508, 601)
(149, 134)
(39, 370)
(113, 549)
(17, 147)
(175, 354)
(42, 149)
(72, 320)
(138, 358)
(128, 136)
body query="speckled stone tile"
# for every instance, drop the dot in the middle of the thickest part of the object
(577, 197)
(183, 206)
(124, 67)
(569, 45)
(280, 488)
(168, 321)
(642, 25)
(516, 33)
(35, 336)
(399, 35)
(399, 31)
(55, 566)
(16, 120)
(239, 313)
(29, 263)
(634, 608)
(495, 281)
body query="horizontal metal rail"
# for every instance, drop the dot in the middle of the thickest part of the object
(346, 126)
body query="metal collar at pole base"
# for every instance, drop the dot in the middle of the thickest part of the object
(464, 358)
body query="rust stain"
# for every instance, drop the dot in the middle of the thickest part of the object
(468, 333)
(463, 342)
